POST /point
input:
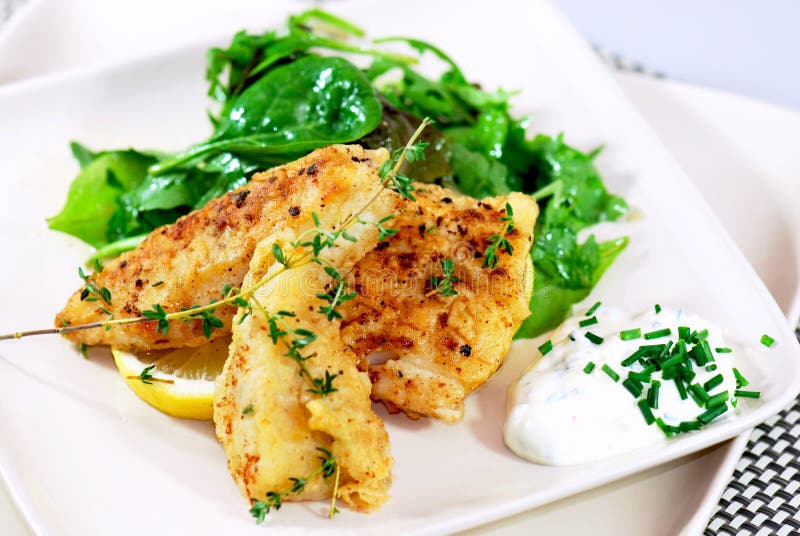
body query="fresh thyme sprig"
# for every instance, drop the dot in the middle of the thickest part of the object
(146, 377)
(500, 242)
(295, 340)
(305, 249)
(383, 232)
(274, 499)
(444, 285)
(90, 292)
(336, 295)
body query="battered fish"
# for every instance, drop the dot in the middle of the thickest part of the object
(441, 348)
(267, 419)
(188, 263)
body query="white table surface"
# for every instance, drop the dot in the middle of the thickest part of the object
(741, 46)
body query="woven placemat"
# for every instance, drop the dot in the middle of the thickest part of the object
(763, 495)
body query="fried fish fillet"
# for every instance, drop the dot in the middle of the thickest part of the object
(188, 263)
(441, 347)
(267, 419)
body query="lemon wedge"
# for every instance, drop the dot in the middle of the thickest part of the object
(180, 382)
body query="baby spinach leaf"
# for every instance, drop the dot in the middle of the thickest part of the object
(309, 103)
(92, 197)
(553, 297)
(82, 154)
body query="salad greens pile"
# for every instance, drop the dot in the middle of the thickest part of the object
(279, 95)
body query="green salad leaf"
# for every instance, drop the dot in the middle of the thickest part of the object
(294, 108)
(92, 198)
(283, 93)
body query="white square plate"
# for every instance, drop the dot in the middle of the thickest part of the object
(82, 455)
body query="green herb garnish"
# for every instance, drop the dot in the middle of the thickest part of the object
(274, 499)
(712, 413)
(444, 284)
(630, 334)
(595, 339)
(593, 308)
(741, 381)
(713, 382)
(611, 372)
(647, 413)
(666, 332)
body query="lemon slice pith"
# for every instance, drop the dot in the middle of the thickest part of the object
(191, 371)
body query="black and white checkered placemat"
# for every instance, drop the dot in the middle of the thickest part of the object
(763, 495)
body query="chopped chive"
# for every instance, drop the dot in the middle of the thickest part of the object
(670, 373)
(699, 355)
(684, 333)
(746, 394)
(681, 386)
(657, 308)
(712, 413)
(698, 336)
(741, 381)
(767, 341)
(649, 418)
(644, 351)
(698, 395)
(717, 399)
(707, 351)
(713, 382)
(592, 309)
(608, 370)
(630, 334)
(666, 332)
(672, 361)
(667, 429)
(710, 368)
(588, 322)
(723, 350)
(639, 376)
(596, 339)
(652, 394)
(690, 426)
(589, 367)
(633, 358)
(686, 373)
(546, 347)
(701, 352)
(649, 369)
(633, 386)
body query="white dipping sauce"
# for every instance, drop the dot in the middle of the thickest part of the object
(559, 415)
